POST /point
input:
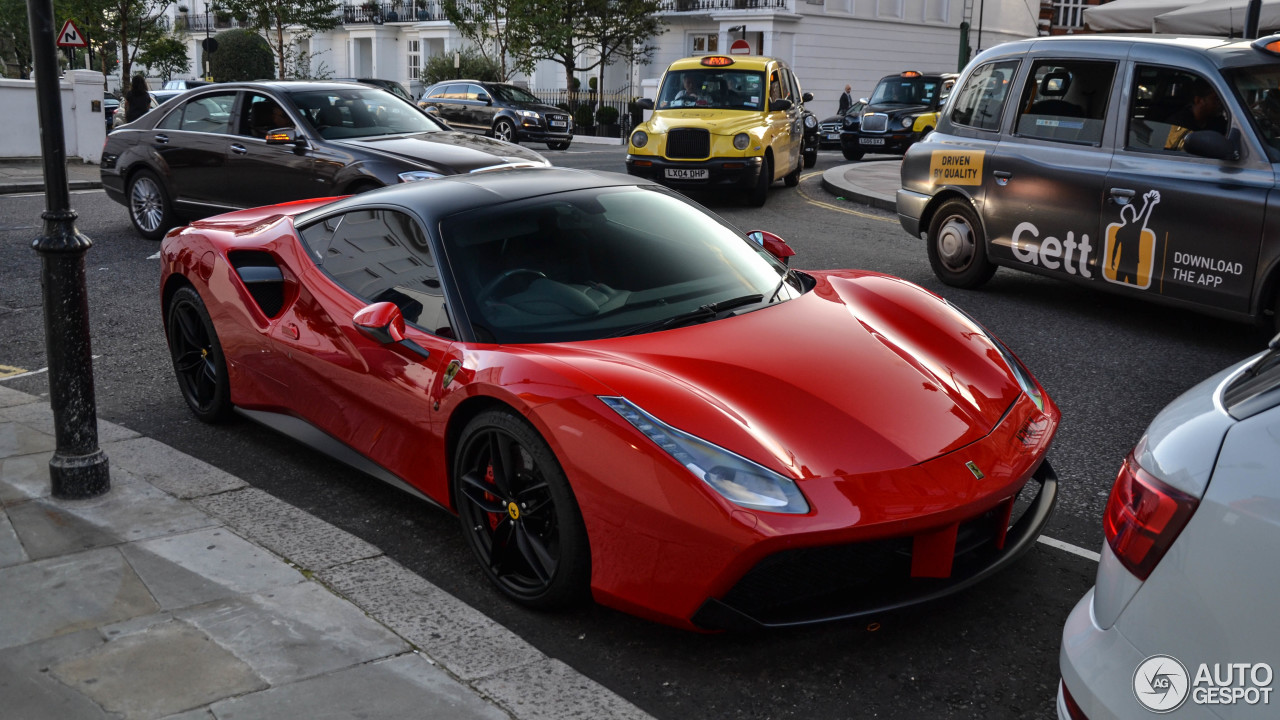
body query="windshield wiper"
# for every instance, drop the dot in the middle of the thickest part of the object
(702, 312)
(781, 281)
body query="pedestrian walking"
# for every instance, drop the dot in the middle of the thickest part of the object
(138, 100)
(846, 101)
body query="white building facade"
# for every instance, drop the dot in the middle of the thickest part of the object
(828, 43)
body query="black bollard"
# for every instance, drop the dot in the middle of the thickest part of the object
(78, 468)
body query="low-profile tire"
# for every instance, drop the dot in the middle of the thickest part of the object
(519, 514)
(504, 130)
(760, 192)
(792, 178)
(198, 362)
(810, 158)
(851, 155)
(149, 206)
(558, 145)
(957, 246)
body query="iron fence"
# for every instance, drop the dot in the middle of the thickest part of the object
(618, 99)
(711, 5)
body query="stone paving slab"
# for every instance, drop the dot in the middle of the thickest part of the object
(454, 634)
(39, 416)
(11, 552)
(175, 472)
(75, 592)
(555, 691)
(133, 510)
(30, 692)
(10, 397)
(20, 439)
(165, 669)
(303, 539)
(24, 477)
(206, 565)
(408, 686)
(295, 632)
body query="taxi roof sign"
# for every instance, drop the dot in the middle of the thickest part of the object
(70, 36)
(910, 73)
(717, 61)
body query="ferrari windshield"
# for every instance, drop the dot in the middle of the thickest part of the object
(352, 112)
(712, 89)
(604, 262)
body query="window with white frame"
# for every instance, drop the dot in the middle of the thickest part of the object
(1069, 13)
(415, 59)
(704, 43)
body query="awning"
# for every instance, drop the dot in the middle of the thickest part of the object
(1218, 17)
(1132, 15)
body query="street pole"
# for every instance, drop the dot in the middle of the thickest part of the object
(78, 468)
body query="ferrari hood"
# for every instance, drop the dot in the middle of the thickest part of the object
(864, 373)
(448, 152)
(717, 122)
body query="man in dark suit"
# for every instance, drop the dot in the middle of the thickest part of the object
(846, 101)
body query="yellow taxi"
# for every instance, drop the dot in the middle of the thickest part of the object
(722, 122)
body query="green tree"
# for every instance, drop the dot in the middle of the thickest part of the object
(241, 55)
(15, 38)
(271, 18)
(166, 56)
(129, 24)
(471, 65)
(488, 25)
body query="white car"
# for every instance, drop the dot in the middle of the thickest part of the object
(1182, 616)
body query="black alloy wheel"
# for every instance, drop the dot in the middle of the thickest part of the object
(197, 357)
(518, 512)
(504, 130)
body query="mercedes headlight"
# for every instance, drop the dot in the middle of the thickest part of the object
(1020, 371)
(416, 175)
(810, 122)
(741, 141)
(639, 138)
(736, 478)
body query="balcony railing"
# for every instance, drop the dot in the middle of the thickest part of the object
(385, 12)
(199, 22)
(704, 6)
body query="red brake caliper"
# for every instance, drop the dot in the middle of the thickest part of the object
(494, 518)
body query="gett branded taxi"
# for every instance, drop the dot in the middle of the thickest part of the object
(723, 122)
(1143, 165)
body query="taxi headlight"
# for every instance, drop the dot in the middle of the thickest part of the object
(737, 479)
(810, 122)
(416, 175)
(741, 141)
(639, 138)
(908, 122)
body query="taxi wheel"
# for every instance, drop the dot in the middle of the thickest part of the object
(852, 155)
(957, 248)
(760, 192)
(793, 178)
(518, 512)
(811, 158)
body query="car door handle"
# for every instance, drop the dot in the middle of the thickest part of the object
(162, 138)
(1002, 177)
(1122, 196)
(239, 149)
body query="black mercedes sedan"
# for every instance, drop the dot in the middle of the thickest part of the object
(500, 110)
(239, 145)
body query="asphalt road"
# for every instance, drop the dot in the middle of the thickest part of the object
(991, 652)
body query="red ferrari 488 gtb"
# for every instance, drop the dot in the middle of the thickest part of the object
(619, 393)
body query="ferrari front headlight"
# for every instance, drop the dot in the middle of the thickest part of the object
(734, 477)
(741, 141)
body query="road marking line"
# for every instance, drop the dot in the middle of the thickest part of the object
(1068, 547)
(21, 374)
(837, 208)
(8, 371)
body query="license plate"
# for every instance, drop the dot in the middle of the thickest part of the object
(682, 174)
(870, 141)
(833, 136)
(557, 123)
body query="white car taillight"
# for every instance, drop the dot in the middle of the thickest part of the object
(1143, 518)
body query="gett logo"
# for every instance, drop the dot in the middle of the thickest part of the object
(1051, 252)
(1130, 251)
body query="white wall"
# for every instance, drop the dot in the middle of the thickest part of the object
(84, 129)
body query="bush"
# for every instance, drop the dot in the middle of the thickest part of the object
(241, 55)
(584, 116)
(472, 66)
(607, 115)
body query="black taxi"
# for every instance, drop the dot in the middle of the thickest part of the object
(1144, 165)
(902, 109)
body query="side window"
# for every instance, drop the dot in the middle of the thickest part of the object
(775, 87)
(382, 256)
(172, 121)
(261, 114)
(983, 96)
(474, 92)
(1066, 100)
(455, 92)
(208, 113)
(1166, 105)
(438, 91)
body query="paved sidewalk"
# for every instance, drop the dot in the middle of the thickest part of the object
(185, 594)
(24, 175)
(873, 182)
